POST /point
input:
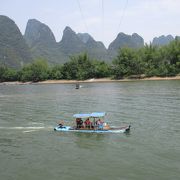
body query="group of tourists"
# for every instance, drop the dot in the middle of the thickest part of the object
(88, 124)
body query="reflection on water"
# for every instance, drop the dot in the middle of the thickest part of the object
(30, 149)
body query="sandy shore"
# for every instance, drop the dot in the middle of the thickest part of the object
(107, 80)
(91, 81)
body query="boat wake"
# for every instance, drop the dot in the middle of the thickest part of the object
(36, 123)
(27, 129)
(21, 127)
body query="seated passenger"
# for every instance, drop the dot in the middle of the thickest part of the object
(79, 123)
(88, 123)
(99, 124)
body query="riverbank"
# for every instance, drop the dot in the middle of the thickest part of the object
(107, 80)
(104, 80)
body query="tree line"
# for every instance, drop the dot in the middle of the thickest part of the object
(147, 61)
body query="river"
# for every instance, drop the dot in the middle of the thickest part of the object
(30, 149)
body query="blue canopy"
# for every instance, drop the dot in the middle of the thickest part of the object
(98, 114)
(82, 115)
(94, 114)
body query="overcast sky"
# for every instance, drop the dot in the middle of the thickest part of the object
(102, 19)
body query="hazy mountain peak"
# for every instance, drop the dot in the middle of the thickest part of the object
(162, 40)
(37, 32)
(122, 39)
(85, 37)
(135, 35)
(13, 49)
(68, 30)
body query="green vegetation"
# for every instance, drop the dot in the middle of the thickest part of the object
(37, 71)
(132, 63)
(7, 74)
(81, 67)
(13, 49)
(149, 60)
(126, 63)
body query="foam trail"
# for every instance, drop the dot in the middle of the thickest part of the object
(36, 123)
(21, 127)
(29, 131)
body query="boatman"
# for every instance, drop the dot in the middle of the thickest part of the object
(60, 124)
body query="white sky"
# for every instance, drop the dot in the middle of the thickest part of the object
(102, 19)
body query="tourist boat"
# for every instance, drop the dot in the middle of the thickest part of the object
(91, 123)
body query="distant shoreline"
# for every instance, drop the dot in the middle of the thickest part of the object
(100, 80)
(104, 80)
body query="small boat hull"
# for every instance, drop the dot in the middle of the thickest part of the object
(111, 130)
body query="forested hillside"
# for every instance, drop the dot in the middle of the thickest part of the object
(14, 51)
(147, 61)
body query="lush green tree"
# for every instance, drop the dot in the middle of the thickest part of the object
(101, 69)
(151, 58)
(173, 51)
(56, 72)
(10, 75)
(3, 69)
(69, 70)
(126, 63)
(37, 71)
(169, 59)
(79, 67)
(85, 67)
(25, 74)
(7, 74)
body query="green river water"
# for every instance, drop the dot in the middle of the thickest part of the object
(31, 150)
